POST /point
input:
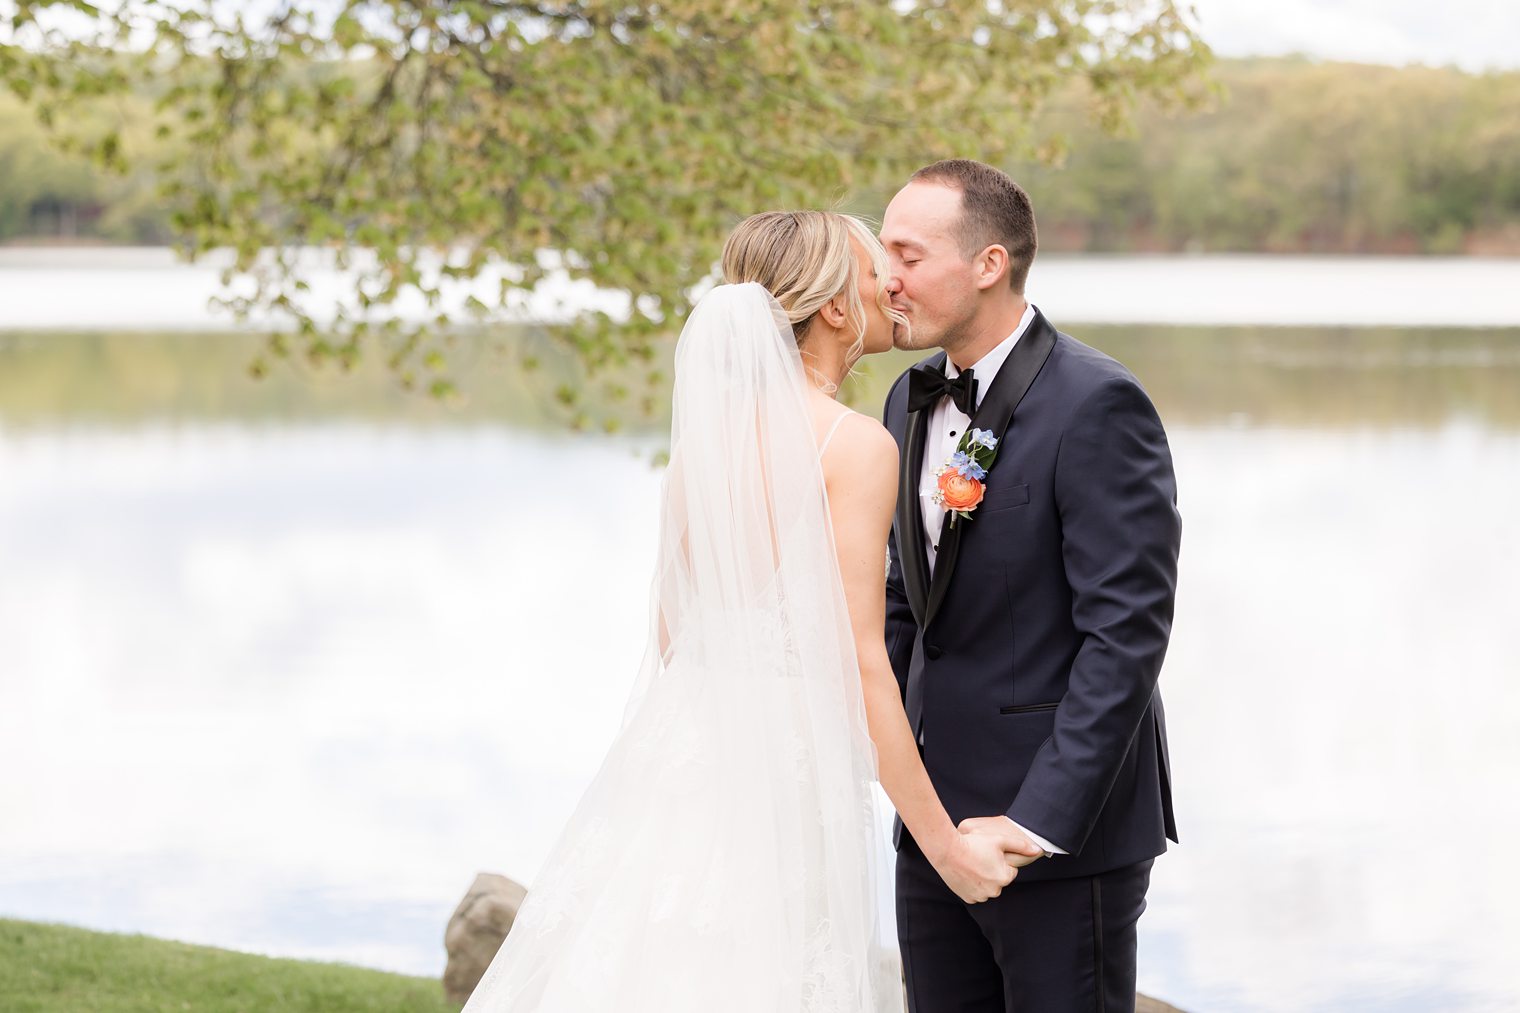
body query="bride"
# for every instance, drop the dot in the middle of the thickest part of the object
(722, 858)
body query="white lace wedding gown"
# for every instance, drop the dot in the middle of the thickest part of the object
(723, 858)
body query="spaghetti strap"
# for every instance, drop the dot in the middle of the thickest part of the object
(834, 428)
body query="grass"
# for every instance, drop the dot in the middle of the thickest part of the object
(48, 968)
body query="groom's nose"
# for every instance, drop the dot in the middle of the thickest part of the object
(894, 284)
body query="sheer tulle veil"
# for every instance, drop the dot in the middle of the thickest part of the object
(724, 856)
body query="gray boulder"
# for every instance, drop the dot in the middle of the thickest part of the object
(476, 930)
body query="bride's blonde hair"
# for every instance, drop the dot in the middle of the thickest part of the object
(804, 258)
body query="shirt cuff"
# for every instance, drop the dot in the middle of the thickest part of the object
(1049, 848)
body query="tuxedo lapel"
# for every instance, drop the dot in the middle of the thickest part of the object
(994, 414)
(910, 511)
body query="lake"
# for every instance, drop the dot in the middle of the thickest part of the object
(284, 664)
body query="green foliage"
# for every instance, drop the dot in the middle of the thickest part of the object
(1300, 157)
(45, 186)
(58, 969)
(619, 142)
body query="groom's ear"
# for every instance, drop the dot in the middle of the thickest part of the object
(992, 267)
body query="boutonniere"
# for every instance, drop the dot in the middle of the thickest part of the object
(960, 485)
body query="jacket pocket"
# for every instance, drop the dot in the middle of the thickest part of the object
(1004, 498)
(1028, 708)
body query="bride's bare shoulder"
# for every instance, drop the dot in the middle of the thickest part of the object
(865, 433)
(863, 452)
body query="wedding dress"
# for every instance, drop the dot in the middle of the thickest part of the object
(724, 856)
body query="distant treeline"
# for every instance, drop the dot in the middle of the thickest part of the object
(1298, 156)
(1295, 156)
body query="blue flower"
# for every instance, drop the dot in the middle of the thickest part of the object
(968, 468)
(983, 438)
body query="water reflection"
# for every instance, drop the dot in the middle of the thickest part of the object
(286, 685)
(337, 659)
(1288, 376)
(1345, 700)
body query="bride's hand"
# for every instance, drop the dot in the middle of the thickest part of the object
(975, 866)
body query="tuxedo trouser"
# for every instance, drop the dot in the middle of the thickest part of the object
(1044, 947)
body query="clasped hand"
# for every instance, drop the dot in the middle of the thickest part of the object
(985, 857)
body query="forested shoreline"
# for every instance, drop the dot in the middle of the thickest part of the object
(1294, 156)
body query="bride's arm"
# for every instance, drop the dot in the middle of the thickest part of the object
(860, 470)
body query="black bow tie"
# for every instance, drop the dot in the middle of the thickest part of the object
(927, 386)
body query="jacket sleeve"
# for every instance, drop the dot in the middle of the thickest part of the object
(1116, 498)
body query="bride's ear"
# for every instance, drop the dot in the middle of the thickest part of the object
(833, 312)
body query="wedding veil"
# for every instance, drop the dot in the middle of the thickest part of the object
(747, 575)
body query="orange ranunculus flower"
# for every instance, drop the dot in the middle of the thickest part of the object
(959, 492)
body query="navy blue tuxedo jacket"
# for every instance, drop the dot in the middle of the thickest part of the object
(1028, 661)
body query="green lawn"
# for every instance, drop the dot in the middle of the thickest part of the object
(58, 969)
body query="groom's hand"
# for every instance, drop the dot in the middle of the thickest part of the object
(1017, 847)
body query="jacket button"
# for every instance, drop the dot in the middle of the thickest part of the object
(933, 652)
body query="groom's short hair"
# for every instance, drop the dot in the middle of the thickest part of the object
(994, 209)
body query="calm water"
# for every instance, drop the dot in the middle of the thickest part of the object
(283, 665)
(147, 288)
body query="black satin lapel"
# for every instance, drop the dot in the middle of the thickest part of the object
(910, 513)
(944, 563)
(910, 519)
(994, 413)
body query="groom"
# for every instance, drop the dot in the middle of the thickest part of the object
(1029, 604)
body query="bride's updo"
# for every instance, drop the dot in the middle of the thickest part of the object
(804, 258)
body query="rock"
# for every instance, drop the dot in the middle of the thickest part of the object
(1145, 1004)
(476, 930)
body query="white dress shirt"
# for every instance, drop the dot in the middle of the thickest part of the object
(947, 424)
